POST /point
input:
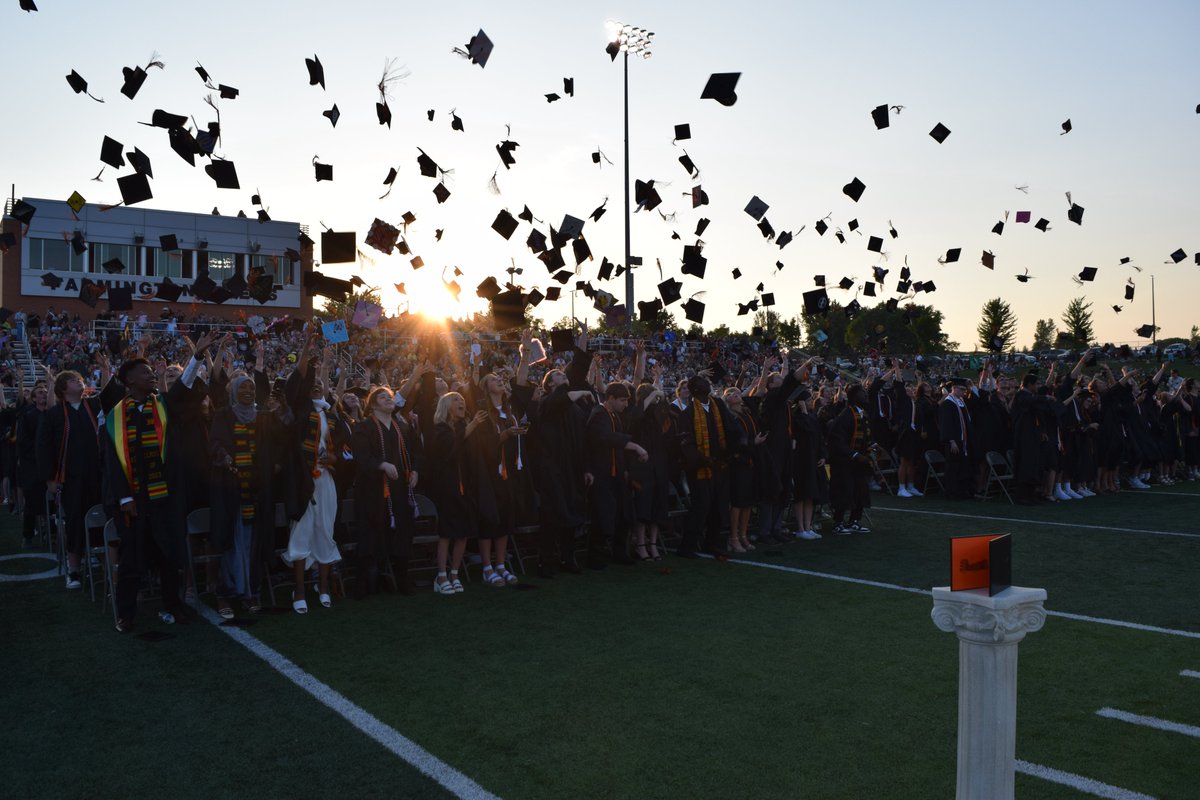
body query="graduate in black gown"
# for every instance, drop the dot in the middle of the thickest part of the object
(708, 435)
(387, 460)
(29, 482)
(958, 440)
(849, 444)
(612, 502)
(246, 446)
(68, 457)
(143, 475)
(451, 486)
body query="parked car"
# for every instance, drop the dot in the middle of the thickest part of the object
(1176, 349)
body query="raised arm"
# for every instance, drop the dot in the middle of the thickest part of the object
(639, 367)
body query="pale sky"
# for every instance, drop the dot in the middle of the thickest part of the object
(1001, 77)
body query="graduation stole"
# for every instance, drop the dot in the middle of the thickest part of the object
(245, 446)
(858, 439)
(122, 428)
(405, 469)
(312, 441)
(60, 474)
(700, 426)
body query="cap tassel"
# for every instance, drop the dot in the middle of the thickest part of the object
(493, 185)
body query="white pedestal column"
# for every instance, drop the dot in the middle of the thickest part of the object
(988, 630)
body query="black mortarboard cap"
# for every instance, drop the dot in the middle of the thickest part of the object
(569, 86)
(90, 292)
(694, 262)
(648, 309)
(223, 173)
(456, 123)
(235, 284)
(930, 287)
(854, 189)
(184, 144)
(869, 289)
(875, 244)
(120, 298)
(846, 283)
(1088, 274)
(939, 133)
(384, 113)
(78, 243)
(562, 340)
(113, 265)
(1066, 128)
(669, 291)
(110, 153)
(693, 309)
(880, 115)
(903, 286)
(324, 172)
(1043, 225)
(721, 87)
(23, 212)
(816, 301)
(168, 292)
(683, 131)
(51, 280)
(819, 280)
(535, 297)
(1129, 291)
(135, 188)
(699, 197)
(441, 193)
(261, 288)
(998, 228)
(737, 273)
(646, 195)
(333, 114)
(891, 305)
(553, 292)
(505, 224)
(768, 299)
(606, 269)
(134, 78)
(988, 259)
(227, 92)
(1075, 214)
(571, 227)
(686, 161)
(488, 288)
(852, 308)
(165, 119)
(764, 226)
(479, 49)
(29, 5)
(508, 310)
(202, 287)
(1023, 278)
(338, 247)
(536, 241)
(1146, 331)
(77, 82)
(553, 260)
(316, 73)
(784, 239)
(702, 225)
(952, 254)
(168, 242)
(821, 226)
(852, 225)
(1178, 256)
(334, 288)
(756, 207)
(220, 294)
(140, 162)
(840, 236)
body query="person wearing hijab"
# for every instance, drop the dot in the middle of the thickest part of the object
(245, 446)
(387, 460)
(312, 494)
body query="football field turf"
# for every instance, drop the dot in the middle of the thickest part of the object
(807, 670)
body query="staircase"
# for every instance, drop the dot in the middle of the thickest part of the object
(24, 356)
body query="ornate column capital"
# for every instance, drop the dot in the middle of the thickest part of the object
(1002, 619)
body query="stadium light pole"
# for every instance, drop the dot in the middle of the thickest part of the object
(626, 39)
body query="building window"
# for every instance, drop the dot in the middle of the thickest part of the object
(276, 265)
(164, 264)
(220, 265)
(53, 255)
(127, 254)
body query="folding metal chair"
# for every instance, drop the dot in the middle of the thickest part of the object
(999, 473)
(936, 464)
(884, 465)
(93, 520)
(112, 541)
(199, 526)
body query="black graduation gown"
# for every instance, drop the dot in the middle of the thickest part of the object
(450, 484)
(654, 430)
(810, 448)
(28, 477)
(848, 479)
(558, 454)
(373, 527)
(1027, 437)
(270, 443)
(775, 420)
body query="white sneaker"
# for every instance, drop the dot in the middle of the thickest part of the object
(73, 581)
(903, 492)
(873, 486)
(1136, 483)
(1071, 493)
(1059, 494)
(1086, 492)
(912, 490)
(808, 536)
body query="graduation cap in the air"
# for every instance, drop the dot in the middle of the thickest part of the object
(854, 189)
(316, 72)
(1026, 277)
(223, 173)
(581, 250)
(323, 172)
(784, 239)
(1146, 331)
(134, 188)
(939, 133)
(1024, 216)
(669, 291)
(456, 123)
(648, 309)
(998, 228)
(1066, 128)
(113, 266)
(23, 212)
(756, 207)
(988, 259)
(90, 292)
(333, 115)
(693, 309)
(816, 301)
(427, 165)
(951, 255)
(260, 286)
(334, 288)
(508, 309)
(184, 144)
(1042, 225)
(1178, 256)
(846, 283)
(721, 87)
(869, 289)
(168, 292)
(338, 247)
(167, 120)
(875, 244)
(686, 161)
(1088, 274)
(821, 227)
(571, 227)
(536, 241)
(694, 262)
(80, 85)
(553, 260)
(880, 115)
(505, 149)
(683, 131)
(764, 226)
(852, 308)
(51, 280)
(505, 224)
(891, 305)
(441, 193)
(478, 49)
(1075, 214)
(646, 195)
(140, 162)
(1129, 288)
(818, 280)
(134, 77)
(110, 153)
(383, 113)
(168, 242)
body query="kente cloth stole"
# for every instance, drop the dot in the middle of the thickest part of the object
(703, 444)
(312, 442)
(245, 447)
(122, 427)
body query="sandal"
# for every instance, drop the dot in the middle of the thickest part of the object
(442, 585)
(641, 553)
(508, 577)
(653, 551)
(746, 545)
(491, 577)
(299, 606)
(735, 546)
(456, 586)
(226, 611)
(325, 599)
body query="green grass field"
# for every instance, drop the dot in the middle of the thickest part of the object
(684, 679)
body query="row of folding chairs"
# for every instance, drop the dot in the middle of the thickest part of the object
(1000, 472)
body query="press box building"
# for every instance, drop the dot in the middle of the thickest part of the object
(74, 246)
